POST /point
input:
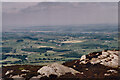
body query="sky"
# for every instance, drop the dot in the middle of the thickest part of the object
(60, 0)
(27, 14)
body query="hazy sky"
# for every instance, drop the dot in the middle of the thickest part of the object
(20, 14)
(60, 0)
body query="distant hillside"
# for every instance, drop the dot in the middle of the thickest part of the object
(72, 28)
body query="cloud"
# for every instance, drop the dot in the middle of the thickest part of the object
(15, 7)
(60, 0)
(68, 5)
(59, 13)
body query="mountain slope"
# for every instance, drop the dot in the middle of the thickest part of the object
(96, 65)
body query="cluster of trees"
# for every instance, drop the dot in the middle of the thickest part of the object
(6, 49)
(72, 54)
(47, 39)
(99, 36)
(15, 62)
(22, 57)
(60, 50)
(93, 46)
(27, 37)
(20, 40)
(58, 59)
(43, 50)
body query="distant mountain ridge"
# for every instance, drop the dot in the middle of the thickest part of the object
(72, 28)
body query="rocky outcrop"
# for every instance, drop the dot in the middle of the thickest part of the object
(106, 58)
(8, 72)
(56, 69)
(18, 77)
(97, 64)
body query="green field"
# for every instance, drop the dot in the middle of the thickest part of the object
(40, 48)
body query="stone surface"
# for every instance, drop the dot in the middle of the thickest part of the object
(8, 72)
(36, 77)
(56, 69)
(18, 77)
(83, 57)
(108, 58)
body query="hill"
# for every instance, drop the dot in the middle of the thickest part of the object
(96, 65)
